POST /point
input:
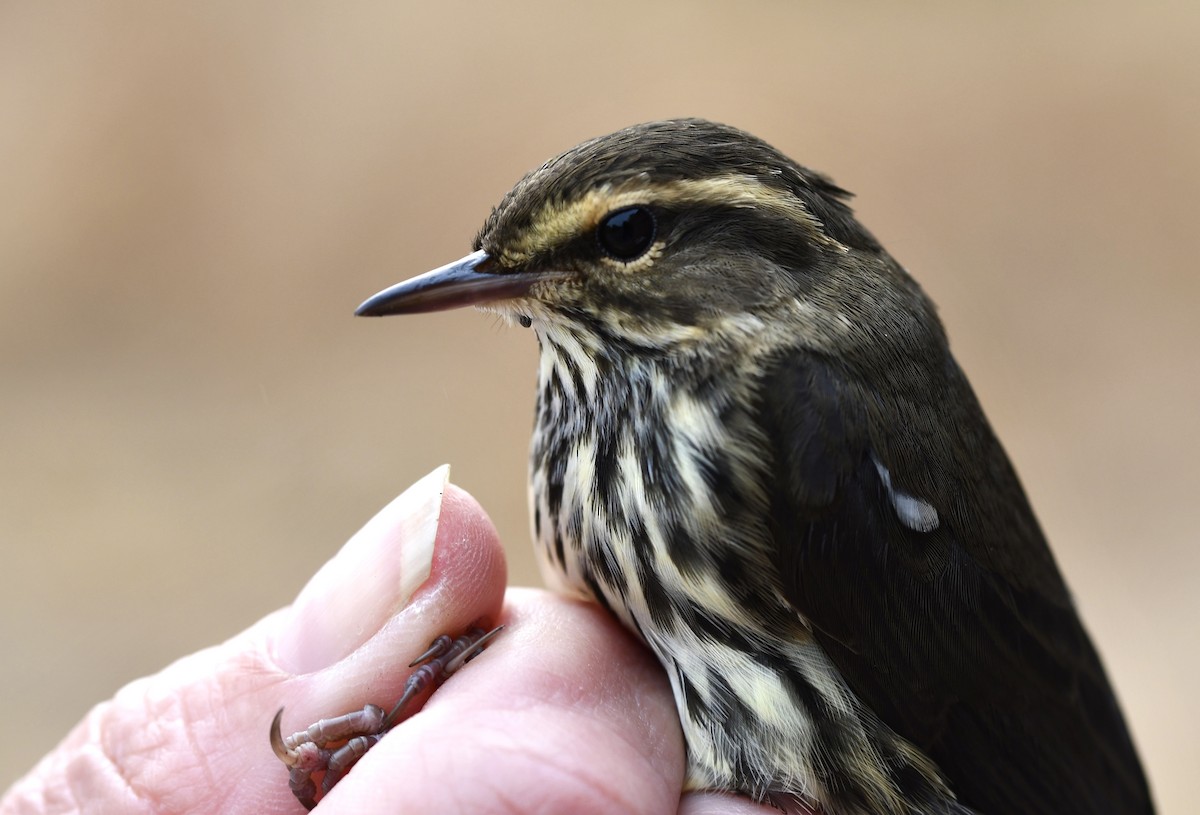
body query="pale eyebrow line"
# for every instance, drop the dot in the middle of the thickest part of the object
(557, 222)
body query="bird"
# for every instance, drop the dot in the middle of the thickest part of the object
(753, 446)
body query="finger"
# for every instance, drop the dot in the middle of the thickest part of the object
(193, 737)
(361, 613)
(721, 803)
(563, 713)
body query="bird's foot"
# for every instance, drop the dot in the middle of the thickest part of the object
(324, 752)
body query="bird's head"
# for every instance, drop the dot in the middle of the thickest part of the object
(668, 234)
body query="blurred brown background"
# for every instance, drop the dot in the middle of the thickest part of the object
(194, 197)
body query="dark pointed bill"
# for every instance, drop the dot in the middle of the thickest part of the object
(468, 281)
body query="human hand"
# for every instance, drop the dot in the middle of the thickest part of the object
(564, 712)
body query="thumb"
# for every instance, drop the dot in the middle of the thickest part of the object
(193, 738)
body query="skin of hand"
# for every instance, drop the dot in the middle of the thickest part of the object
(563, 712)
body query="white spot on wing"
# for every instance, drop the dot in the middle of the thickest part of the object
(914, 513)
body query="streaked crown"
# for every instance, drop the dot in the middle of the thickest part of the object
(670, 229)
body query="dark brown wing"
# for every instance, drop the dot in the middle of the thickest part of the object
(961, 638)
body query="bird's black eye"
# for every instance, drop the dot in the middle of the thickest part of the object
(627, 233)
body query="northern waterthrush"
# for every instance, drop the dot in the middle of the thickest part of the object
(754, 447)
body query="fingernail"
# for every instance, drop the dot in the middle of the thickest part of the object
(366, 583)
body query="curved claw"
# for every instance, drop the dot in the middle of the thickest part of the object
(285, 755)
(439, 646)
(473, 651)
(445, 656)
